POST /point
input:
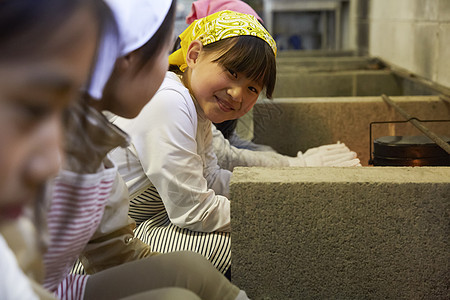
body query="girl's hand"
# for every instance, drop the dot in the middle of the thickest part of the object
(334, 155)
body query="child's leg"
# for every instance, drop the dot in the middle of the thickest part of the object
(164, 294)
(185, 269)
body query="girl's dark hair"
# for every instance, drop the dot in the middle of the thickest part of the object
(245, 54)
(153, 46)
(249, 55)
(24, 24)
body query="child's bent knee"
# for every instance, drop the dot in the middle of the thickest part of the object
(165, 294)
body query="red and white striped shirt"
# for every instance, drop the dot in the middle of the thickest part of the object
(77, 207)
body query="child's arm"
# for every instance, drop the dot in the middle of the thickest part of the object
(114, 243)
(164, 136)
(230, 157)
(94, 196)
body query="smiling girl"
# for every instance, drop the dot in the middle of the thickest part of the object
(180, 193)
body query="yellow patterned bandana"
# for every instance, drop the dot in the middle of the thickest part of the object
(216, 27)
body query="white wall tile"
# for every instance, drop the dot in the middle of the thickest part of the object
(427, 10)
(414, 35)
(444, 10)
(443, 65)
(426, 49)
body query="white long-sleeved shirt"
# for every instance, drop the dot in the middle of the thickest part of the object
(229, 156)
(172, 149)
(14, 285)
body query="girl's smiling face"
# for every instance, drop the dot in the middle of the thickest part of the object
(223, 94)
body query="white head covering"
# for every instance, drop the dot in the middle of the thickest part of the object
(136, 21)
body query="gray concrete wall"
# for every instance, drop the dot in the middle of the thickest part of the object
(341, 233)
(338, 76)
(290, 125)
(413, 35)
(359, 26)
(315, 53)
(295, 64)
(337, 84)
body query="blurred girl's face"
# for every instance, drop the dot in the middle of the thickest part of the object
(130, 88)
(33, 95)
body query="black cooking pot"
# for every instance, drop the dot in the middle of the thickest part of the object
(409, 151)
